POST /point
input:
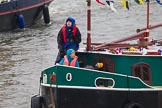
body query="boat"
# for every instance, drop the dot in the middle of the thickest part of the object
(130, 76)
(22, 13)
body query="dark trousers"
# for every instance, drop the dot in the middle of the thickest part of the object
(60, 55)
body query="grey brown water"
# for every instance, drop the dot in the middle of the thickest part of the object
(24, 54)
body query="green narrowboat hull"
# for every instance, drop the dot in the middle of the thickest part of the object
(113, 86)
(87, 88)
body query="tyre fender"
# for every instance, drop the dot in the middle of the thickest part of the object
(46, 14)
(36, 102)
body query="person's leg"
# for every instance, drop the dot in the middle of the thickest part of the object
(60, 55)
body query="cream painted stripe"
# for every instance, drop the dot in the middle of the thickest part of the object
(103, 88)
(157, 86)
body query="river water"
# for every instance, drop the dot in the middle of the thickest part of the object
(24, 54)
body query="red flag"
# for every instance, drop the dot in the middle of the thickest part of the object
(98, 1)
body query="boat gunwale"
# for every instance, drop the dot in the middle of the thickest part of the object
(107, 53)
(25, 8)
(101, 88)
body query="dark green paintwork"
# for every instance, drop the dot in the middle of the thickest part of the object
(86, 78)
(123, 64)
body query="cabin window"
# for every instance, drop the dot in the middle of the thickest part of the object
(104, 82)
(142, 71)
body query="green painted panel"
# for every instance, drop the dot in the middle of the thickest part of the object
(87, 78)
(123, 64)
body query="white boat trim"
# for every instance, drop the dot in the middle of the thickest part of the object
(102, 88)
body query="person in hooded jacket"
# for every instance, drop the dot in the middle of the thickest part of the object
(69, 37)
(70, 59)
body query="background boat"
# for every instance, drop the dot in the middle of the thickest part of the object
(21, 13)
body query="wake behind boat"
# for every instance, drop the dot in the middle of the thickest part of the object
(129, 78)
(22, 13)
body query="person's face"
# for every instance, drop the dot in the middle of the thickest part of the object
(72, 55)
(69, 23)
